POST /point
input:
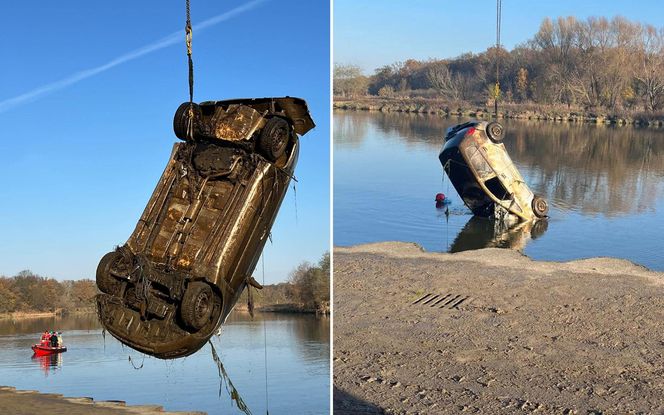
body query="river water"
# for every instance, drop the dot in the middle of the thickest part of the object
(605, 187)
(298, 375)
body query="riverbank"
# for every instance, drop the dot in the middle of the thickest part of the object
(25, 315)
(288, 308)
(31, 402)
(509, 111)
(491, 331)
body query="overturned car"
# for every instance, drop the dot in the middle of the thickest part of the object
(481, 171)
(167, 290)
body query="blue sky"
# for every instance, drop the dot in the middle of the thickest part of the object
(79, 164)
(373, 33)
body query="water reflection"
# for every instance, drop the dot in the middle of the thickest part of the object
(103, 368)
(589, 168)
(309, 336)
(82, 321)
(480, 233)
(595, 169)
(605, 187)
(49, 364)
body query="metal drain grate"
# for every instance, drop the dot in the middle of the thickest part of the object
(449, 301)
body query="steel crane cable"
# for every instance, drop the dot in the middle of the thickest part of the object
(188, 35)
(497, 85)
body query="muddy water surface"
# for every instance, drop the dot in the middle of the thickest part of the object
(98, 367)
(605, 187)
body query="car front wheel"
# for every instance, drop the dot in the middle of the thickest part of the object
(495, 132)
(540, 207)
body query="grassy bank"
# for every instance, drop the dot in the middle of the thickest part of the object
(553, 113)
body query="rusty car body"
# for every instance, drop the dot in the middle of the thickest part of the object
(167, 290)
(478, 166)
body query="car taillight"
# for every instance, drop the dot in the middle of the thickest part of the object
(470, 131)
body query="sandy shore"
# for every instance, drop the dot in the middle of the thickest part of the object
(583, 337)
(13, 402)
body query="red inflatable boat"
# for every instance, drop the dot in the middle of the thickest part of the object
(46, 350)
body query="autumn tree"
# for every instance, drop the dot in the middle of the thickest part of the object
(311, 284)
(28, 292)
(522, 83)
(595, 63)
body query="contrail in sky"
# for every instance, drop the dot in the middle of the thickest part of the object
(169, 40)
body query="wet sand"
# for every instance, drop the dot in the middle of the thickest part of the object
(582, 337)
(31, 402)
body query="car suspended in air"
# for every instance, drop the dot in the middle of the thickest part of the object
(167, 290)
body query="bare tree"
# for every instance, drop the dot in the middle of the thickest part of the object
(440, 78)
(349, 81)
(650, 73)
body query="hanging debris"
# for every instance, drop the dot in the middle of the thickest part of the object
(169, 288)
(225, 380)
(476, 161)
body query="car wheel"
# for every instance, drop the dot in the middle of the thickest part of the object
(181, 120)
(495, 132)
(540, 207)
(274, 138)
(197, 305)
(106, 282)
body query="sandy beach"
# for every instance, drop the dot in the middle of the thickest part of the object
(31, 402)
(491, 331)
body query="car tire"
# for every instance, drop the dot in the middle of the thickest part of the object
(106, 282)
(181, 119)
(197, 305)
(495, 132)
(274, 138)
(540, 206)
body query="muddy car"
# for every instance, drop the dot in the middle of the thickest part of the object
(481, 171)
(167, 290)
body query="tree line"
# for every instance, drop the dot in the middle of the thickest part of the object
(29, 292)
(595, 63)
(308, 289)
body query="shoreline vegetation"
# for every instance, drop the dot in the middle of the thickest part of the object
(26, 315)
(307, 291)
(597, 70)
(28, 295)
(551, 113)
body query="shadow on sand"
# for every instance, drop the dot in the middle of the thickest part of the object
(347, 404)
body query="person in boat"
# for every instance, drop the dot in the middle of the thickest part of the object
(54, 340)
(59, 339)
